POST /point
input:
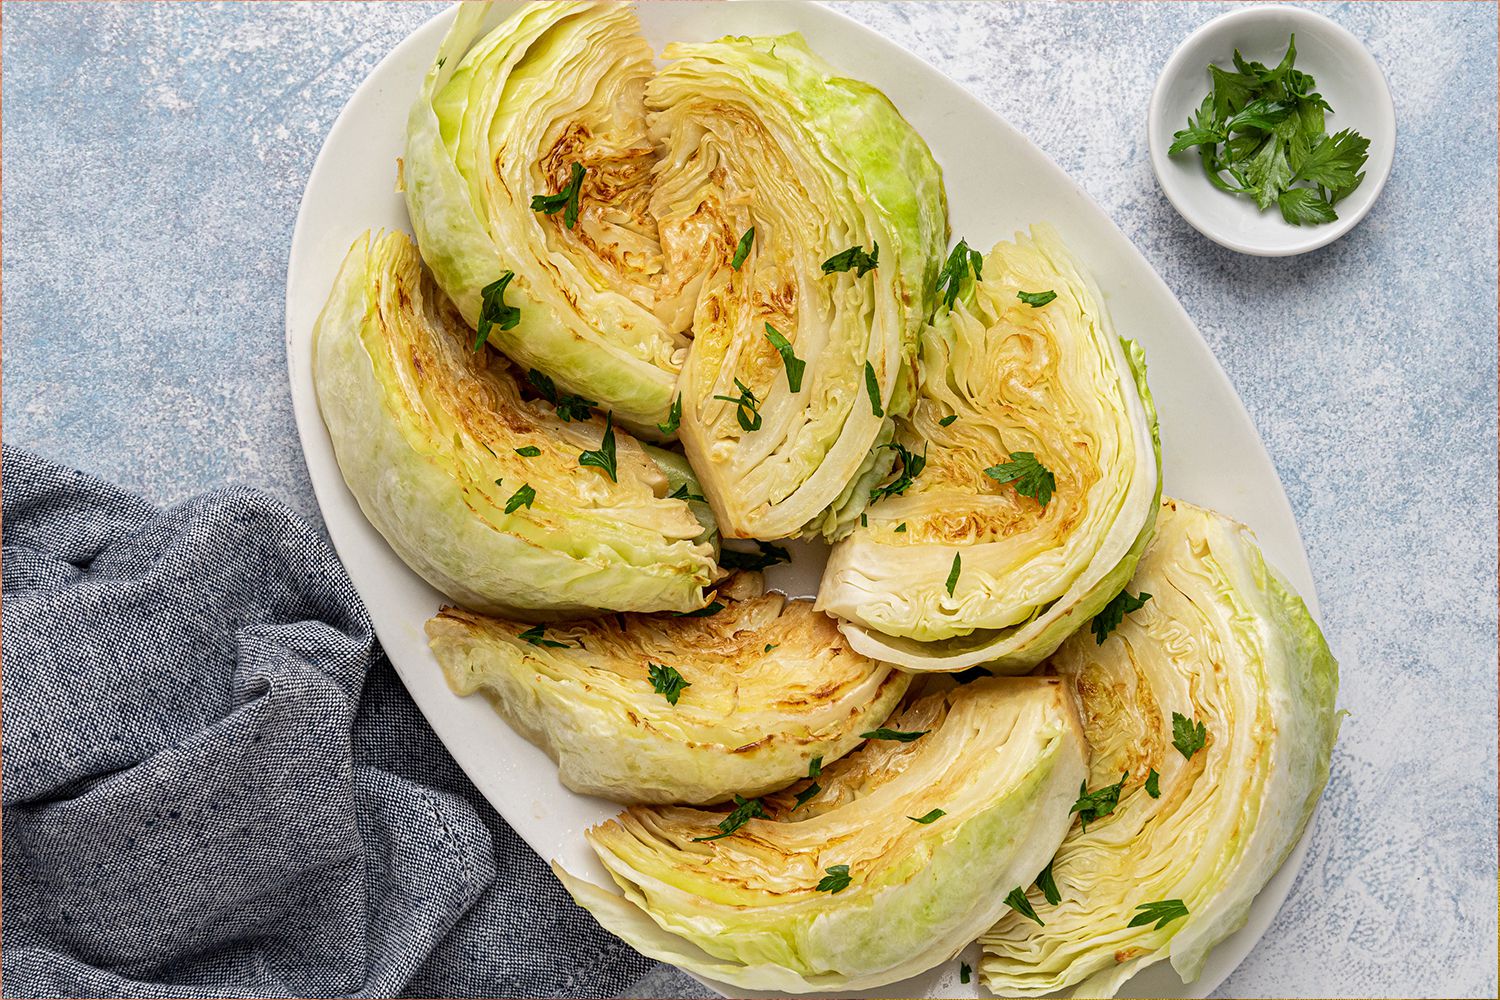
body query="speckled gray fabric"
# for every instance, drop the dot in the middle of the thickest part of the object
(154, 155)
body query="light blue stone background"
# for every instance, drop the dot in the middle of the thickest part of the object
(154, 155)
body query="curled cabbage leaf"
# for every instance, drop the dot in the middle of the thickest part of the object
(760, 134)
(761, 687)
(478, 489)
(1224, 643)
(504, 119)
(969, 566)
(854, 890)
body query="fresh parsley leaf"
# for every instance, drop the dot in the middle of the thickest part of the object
(744, 811)
(1031, 477)
(854, 259)
(806, 795)
(1160, 913)
(747, 407)
(769, 555)
(948, 420)
(674, 418)
(712, 608)
(522, 497)
(1017, 901)
(493, 311)
(742, 249)
(1260, 115)
(815, 766)
(901, 527)
(1269, 171)
(530, 451)
(911, 466)
(1095, 805)
(1045, 882)
(1153, 784)
(794, 365)
(603, 457)
(955, 269)
(565, 201)
(964, 972)
(837, 879)
(536, 635)
(1188, 736)
(953, 572)
(681, 493)
(569, 407)
(1037, 299)
(872, 387)
(1305, 207)
(770, 646)
(864, 519)
(666, 681)
(1112, 614)
(898, 735)
(930, 817)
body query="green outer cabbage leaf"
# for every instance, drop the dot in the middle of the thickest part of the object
(1030, 575)
(761, 132)
(422, 428)
(1003, 757)
(1223, 641)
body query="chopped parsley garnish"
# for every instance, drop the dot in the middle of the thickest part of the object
(712, 608)
(1037, 299)
(770, 646)
(1153, 784)
(536, 635)
(565, 201)
(872, 386)
(794, 365)
(747, 407)
(666, 681)
(1096, 805)
(1031, 478)
(681, 493)
(1113, 613)
(1187, 736)
(955, 269)
(900, 527)
(522, 497)
(864, 519)
(493, 311)
(744, 811)
(674, 418)
(569, 407)
(1160, 913)
(948, 420)
(1017, 901)
(815, 766)
(742, 249)
(1048, 885)
(912, 465)
(806, 794)
(837, 879)
(964, 972)
(930, 817)
(958, 565)
(1264, 129)
(898, 735)
(530, 451)
(854, 259)
(603, 457)
(769, 555)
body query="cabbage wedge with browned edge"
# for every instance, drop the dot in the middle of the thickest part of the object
(1222, 643)
(1029, 482)
(884, 865)
(666, 708)
(480, 490)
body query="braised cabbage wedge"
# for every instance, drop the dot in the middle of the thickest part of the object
(549, 105)
(1223, 644)
(858, 885)
(480, 490)
(1029, 482)
(775, 170)
(666, 708)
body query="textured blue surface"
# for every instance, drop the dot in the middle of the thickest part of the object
(154, 155)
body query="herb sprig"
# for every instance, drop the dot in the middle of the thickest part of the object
(565, 200)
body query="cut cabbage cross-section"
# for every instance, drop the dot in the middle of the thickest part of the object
(1222, 643)
(1039, 477)
(850, 891)
(478, 489)
(666, 708)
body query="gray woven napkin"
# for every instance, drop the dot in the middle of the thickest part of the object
(214, 784)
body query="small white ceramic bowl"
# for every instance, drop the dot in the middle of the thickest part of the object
(1348, 78)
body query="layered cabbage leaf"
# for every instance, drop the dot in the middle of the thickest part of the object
(483, 491)
(813, 218)
(1029, 477)
(1210, 712)
(885, 864)
(668, 708)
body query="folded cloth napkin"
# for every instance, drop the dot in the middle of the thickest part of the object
(214, 784)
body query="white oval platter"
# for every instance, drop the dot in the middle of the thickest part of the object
(998, 182)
